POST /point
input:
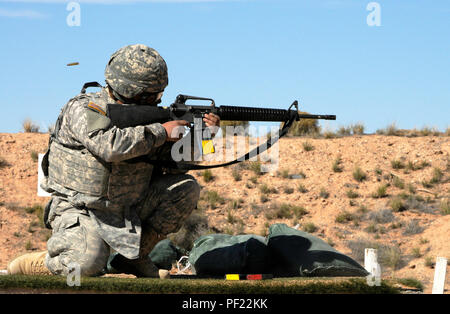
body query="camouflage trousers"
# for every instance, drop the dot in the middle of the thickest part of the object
(75, 240)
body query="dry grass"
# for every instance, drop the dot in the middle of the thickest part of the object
(28, 126)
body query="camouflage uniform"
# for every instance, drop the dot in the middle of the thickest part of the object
(103, 195)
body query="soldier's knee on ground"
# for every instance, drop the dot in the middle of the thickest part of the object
(75, 243)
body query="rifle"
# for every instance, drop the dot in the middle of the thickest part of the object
(128, 116)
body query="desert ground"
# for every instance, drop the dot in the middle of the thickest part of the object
(388, 192)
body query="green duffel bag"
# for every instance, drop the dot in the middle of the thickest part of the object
(297, 253)
(220, 254)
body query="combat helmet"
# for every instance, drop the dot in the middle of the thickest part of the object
(134, 70)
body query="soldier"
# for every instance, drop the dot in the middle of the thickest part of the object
(103, 195)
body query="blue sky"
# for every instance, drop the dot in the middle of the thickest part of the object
(250, 52)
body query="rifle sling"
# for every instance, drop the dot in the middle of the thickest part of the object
(254, 152)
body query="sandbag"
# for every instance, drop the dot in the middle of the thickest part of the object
(297, 253)
(220, 254)
(163, 255)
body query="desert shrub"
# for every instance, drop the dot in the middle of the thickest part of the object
(288, 190)
(397, 164)
(415, 252)
(390, 130)
(445, 207)
(284, 211)
(378, 171)
(253, 179)
(345, 217)
(307, 146)
(265, 189)
(337, 167)
(329, 134)
(304, 127)
(418, 203)
(235, 204)
(212, 198)
(411, 282)
(429, 262)
(236, 174)
(380, 192)
(398, 205)
(231, 219)
(358, 174)
(29, 127)
(34, 156)
(299, 211)
(352, 194)
(280, 212)
(254, 166)
(324, 193)
(3, 163)
(284, 173)
(398, 183)
(301, 188)
(207, 175)
(309, 227)
(427, 131)
(28, 245)
(409, 166)
(411, 188)
(357, 128)
(437, 176)
(263, 198)
(38, 210)
(382, 216)
(392, 257)
(343, 131)
(372, 228)
(362, 209)
(413, 227)
(426, 184)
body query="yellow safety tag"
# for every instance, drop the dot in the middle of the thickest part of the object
(208, 147)
(232, 277)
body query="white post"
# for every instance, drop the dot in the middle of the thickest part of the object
(439, 275)
(41, 192)
(370, 258)
(372, 266)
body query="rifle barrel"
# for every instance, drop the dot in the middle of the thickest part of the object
(317, 116)
(236, 113)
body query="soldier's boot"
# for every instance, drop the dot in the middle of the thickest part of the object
(142, 266)
(29, 264)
